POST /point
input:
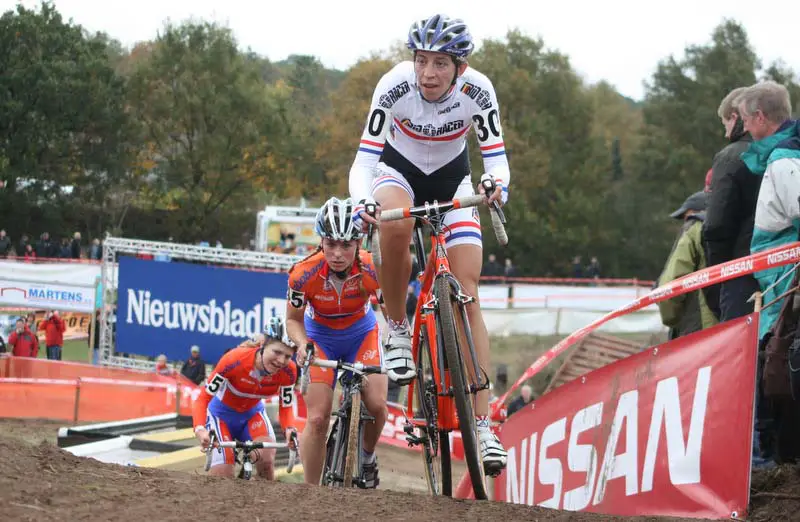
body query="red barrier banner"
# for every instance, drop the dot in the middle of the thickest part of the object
(712, 275)
(666, 432)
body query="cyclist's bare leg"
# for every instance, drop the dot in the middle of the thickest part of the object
(374, 395)
(319, 399)
(265, 460)
(466, 262)
(395, 269)
(221, 470)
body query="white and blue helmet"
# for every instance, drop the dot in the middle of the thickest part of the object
(441, 34)
(335, 220)
(275, 329)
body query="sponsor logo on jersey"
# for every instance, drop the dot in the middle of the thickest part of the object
(447, 110)
(481, 96)
(391, 96)
(430, 130)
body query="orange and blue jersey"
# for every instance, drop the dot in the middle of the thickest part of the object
(339, 320)
(231, 402)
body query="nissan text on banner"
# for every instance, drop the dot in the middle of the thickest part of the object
(168, 307)
(667, 431)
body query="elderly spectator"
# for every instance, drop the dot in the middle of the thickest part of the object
(194, 368)
(686, 313)
(162, 368)
(54, 329)
(22, 341)
(525, 397)
(728, 228)
(774, 157)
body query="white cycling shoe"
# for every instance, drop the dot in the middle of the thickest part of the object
(397, 356)
(493, 455)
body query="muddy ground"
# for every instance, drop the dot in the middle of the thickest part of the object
(40, 482)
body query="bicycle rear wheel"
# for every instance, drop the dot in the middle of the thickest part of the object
(458, 379)
(436, 444)
(351, 456)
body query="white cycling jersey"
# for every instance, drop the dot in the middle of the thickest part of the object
(418, 139)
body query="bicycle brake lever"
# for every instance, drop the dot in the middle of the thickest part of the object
(497, 208)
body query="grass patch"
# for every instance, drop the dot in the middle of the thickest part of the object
(75, 350)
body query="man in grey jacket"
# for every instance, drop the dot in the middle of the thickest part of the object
(728, 227)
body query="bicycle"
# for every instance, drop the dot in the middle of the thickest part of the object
(443, 383)
(246, 463)
(343, 446)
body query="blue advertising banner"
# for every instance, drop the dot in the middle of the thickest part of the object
(168, 307)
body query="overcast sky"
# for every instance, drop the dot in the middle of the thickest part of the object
(620, 41)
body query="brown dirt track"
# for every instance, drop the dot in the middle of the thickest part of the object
(38, 481)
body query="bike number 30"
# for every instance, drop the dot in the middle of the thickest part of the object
(493, 120)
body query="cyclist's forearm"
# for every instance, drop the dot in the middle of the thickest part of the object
(362, 174)
(200, 407)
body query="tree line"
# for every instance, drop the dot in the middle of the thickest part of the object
(189, 135)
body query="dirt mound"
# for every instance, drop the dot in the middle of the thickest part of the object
(775, 493)
(43, 482)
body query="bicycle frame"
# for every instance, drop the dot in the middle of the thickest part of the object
(343, 451)
(437, 266)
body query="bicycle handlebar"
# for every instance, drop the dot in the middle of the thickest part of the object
(250, 445)
(437, 208)
(357, 367)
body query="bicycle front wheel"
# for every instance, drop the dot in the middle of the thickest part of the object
(458, 379)
(351, 457)
(435, 445)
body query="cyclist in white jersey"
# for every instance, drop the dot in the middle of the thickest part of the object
(413, 150)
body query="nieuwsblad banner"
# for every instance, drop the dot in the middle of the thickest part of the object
(664, 432)
(168, 307)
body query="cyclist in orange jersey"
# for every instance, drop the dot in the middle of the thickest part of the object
(233, 402)
(329, 305)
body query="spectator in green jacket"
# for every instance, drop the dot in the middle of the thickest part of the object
(687, 313)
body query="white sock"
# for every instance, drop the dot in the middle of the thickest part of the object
(482, 422)
(367, 458)
(399, 325)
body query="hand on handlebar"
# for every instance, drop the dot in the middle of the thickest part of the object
(496, 195)
(204, 438)
(292, 438)
(370, 215)
(305, 351)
